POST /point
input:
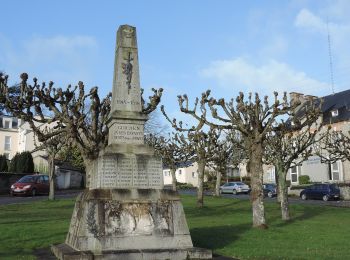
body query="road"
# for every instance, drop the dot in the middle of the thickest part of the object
(6, 200)
(292, 200)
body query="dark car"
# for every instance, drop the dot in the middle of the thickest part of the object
(321, 191)
(270, 190)
(31, 185)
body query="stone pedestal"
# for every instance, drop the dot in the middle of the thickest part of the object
(128, 224)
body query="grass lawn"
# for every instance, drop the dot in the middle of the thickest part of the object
(224, 225)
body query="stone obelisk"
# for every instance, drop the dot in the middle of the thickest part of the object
(125, 213)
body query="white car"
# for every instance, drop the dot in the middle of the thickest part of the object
(235, 187)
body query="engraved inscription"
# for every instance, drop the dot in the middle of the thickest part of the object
(130, 133)
(126, 171)
(127, 102)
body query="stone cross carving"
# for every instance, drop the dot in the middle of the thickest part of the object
(126, 94)
(127, 70)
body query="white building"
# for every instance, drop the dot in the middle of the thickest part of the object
(186, 173)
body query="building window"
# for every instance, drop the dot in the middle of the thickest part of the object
(194, 175)
(272, 177)
(180, 172)
(294, 174)
(15, 123)
(335, 113)
(334, 171)
(7, 124)
(7, 143)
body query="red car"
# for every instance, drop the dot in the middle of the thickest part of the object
(31, 185)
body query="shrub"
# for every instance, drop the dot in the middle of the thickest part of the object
(22, 163)
(13, 163)
(184, 186)
(27, 165)
(3, 163)
(209, 185)
(304, 179)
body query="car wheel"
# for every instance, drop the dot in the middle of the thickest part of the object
(325, 198)
(33, 192)
(304, 197)
(269, 194)
(234, 192)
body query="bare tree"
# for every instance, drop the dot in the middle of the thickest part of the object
(154, 125)
(289, 145)
(52, 146)
(227, 152)
(200, 144)
(334, 147)
(84, 126)
(171, 151)
(253, 119)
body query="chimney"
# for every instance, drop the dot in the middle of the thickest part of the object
(296, 97)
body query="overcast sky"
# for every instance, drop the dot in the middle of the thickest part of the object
(184, 46)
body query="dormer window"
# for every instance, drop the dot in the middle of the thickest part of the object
(335, 113)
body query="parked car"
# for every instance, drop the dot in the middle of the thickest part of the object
(234, 188)
(321, 191)
(31, 185)
(270, 190)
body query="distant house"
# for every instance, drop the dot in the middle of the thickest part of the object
(9, 136)
(16, 136)
(336, 114)
(186, 173)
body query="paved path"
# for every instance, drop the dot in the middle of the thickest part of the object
(7, 199)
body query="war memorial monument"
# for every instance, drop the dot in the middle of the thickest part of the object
(125, 213)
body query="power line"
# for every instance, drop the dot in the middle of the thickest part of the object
(330, 57)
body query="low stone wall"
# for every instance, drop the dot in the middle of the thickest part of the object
(345, 193)
(7, 179)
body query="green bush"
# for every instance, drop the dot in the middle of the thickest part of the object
(304, 179)
(22, 163)
(209, 185)
(13, 163)
(3, 163)
(184, 186)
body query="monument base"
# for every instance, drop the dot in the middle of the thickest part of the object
(128, 224)
(65, 252)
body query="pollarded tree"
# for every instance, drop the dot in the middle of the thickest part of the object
(199, 144)
(172, 152)
(253, 119)
(52, 146)
(289, 145)
(84, 126)
(334, 147)
(227, 152)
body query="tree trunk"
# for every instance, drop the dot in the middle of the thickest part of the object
(257, 194)
(283, 192)
(277, 184)
(201, 167)
(173, 176)
(52, 177)
(218, 184)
